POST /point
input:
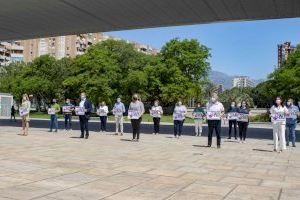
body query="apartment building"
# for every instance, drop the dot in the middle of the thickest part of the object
(11, 52)
(242, 82)
(69, 46)
(284, 50)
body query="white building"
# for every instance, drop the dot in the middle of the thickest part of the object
(242, 82)
(10, 52)
(6, 102)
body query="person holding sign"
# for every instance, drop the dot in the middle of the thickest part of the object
(215, 111)
(24, 113)
(67, 111)
(291, 122)
(102, 112)
(179, 116)
(243, 120)
(86, 106)
(118, 111)
(135, 112)
(156, 111)
(52, 111)
(198, 115)
(232, 117)
(278, 117)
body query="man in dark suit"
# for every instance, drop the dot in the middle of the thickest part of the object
(84, 119)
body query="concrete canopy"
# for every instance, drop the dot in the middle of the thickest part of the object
(25, 19)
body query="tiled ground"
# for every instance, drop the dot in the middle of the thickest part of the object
(47, 166)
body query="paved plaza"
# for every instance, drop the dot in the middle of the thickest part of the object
(47, 166)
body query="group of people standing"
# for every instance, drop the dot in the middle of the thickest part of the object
(282, 116)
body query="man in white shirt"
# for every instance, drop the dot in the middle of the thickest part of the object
(215, 111)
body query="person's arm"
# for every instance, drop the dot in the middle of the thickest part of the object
(142, 108)
(123, 108)
(106, 109)
(161, 110)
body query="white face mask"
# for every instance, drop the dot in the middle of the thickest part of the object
(82, 97)
(232, 105)
(156, 104)
(213, 99)
(278, 101)
(288, 103)
(118, 100)
(179, 103)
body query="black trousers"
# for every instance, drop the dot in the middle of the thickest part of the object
(243, 126)
(103, 120)
(232, 123)
(136, 124)
(84, 125)
(214, 125)
(68, 121)
(178, 124)
(156, 121)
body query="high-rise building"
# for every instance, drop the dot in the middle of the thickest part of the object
(69, 46)
(242, 82)
(284, 50)
(10, 52)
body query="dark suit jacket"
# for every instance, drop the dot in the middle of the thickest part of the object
(88, 107)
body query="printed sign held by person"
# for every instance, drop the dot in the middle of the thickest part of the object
(278, 117)
(213, 115)
(133, 114)
(242, 117)
(23, 111)
(67, 109)
(79, 110)
(51, 111)
(232, 115)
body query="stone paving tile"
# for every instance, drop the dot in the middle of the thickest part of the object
(47, 166)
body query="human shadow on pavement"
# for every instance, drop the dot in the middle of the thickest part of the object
(205, 146)
(126, 140)
(264, 150)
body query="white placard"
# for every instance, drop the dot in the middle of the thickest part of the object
(242, 117)
(133, 114)
(232, 115)
(213, 115)
(101, 112)
(155, 113)
(23, 111)
(117, 112)
(178, 116)
(198, 115)
(278, 117)
(292, 113)
(51, 111)
(67, 109)
(79, 110)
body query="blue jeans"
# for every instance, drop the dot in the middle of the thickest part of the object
(291, 136)
(53, 122)
(68, 121)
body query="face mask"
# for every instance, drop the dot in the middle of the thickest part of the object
(199, 106)
(278, 102)
(156, 104)
(118, 100)
(179, 103)
(82, 97)
(244, 105)
(288, 103)
(232, 105)
(213, 99)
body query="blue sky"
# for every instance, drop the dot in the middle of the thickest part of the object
(237, 48)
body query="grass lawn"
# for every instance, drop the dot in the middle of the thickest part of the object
(146, 117)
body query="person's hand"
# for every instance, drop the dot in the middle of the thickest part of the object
(85, 110)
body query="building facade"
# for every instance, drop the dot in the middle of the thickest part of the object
(284, 50)
(242, 82)
(69, 46)
(11, 52)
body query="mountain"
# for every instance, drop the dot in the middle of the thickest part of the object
(226, 80)
(220, 78)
